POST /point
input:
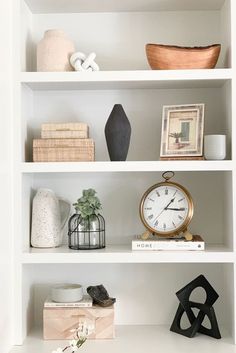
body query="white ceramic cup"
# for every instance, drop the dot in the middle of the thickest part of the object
(215, 147)
(67, 293)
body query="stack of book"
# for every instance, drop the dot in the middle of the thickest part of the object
(68, 142)
(157, 243)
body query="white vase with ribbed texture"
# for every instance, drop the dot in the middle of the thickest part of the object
(54, 52)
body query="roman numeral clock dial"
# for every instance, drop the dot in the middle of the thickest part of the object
(166, 208)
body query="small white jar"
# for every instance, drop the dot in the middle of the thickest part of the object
(215, 147)
(67, 293)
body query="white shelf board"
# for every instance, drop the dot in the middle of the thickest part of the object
(139, 166)
(65, 6)
(126, 79)
(124, 254)
(138, 338)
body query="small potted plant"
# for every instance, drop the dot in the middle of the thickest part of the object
(87, 226)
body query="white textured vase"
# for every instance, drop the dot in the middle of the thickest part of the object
(54, 52)
(49, 215)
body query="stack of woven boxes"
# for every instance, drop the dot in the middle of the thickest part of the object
(68, 142)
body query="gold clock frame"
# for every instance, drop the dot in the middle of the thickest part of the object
(183, 227)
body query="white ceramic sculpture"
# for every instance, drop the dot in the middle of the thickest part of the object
(81, 62)
(49, 215)
(215, 147)
(54, 51)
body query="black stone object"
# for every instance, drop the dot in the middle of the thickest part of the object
(100, 296)
(117, 133)
(205, 309)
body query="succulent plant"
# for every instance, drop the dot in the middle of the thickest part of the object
(88, 204)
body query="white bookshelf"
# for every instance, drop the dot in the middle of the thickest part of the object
(123, 254)
(119, 32)
(138, 79)
(130, 337)
(128, 166)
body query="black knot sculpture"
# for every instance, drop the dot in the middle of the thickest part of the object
(205, 309)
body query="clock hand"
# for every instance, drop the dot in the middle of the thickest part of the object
(158, 215)
(164, 209)
(176, 209)
(169, 203)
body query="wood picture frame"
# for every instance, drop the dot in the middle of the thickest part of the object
(182, 130)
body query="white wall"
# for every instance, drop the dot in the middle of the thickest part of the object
(119, 39)
(5, 177)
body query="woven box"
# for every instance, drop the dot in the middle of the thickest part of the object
(64, 127)
(64, 130)
(77, 134)
(63, 150)
(58, 322)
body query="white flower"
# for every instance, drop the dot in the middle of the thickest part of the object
(59, 350)
(90, 329)
(73, 345)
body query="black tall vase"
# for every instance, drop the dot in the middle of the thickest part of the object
(118, 132)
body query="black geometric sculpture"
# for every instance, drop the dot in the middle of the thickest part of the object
(118, 132)
(100, 296)
(205, 309)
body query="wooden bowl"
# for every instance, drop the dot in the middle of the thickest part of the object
(170, 57)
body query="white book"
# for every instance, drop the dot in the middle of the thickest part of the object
(168, 244)
(86, 302)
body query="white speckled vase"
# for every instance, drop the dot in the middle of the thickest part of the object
(54, 52)
(49, 215)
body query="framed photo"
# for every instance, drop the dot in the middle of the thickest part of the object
(182, 130)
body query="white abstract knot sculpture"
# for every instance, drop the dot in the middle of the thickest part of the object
(81, 62)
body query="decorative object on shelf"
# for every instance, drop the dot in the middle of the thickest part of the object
(63, 150)
(100, 296)
(85, 302)
(205, 309)
(67, 293)
(177, 243)
(54, 51)
(166, 209)
(215, 147)
(81, 62)
(64, 131)
(80, 335)
(87, 226)
(182, 130)
(49, 216)
(118, 132)
(59, 323)
(172, 57)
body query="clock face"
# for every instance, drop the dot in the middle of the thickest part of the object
(166, 209)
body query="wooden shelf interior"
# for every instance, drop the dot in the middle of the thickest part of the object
(143, 108)
(149, 284)
(120, 194)
(118, 44)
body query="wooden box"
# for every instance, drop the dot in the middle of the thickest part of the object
(63, 150)
(58, 322)
(64, 130)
